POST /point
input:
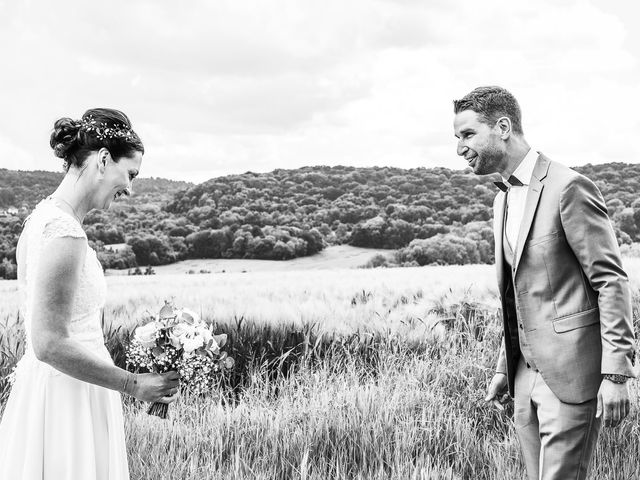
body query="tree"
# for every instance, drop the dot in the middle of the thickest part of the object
(209, 243)
(283, 251)
(261, 247)
(627, 223)
(315, 242)
(143, 246)
(443, 249)
(8, 269)
(369, 233)
(7, 197)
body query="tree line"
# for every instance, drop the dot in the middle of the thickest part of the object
(431, 215)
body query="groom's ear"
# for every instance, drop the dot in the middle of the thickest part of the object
(504, 127)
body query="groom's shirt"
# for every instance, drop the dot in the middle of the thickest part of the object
(517, 197)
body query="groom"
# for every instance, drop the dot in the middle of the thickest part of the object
(568, 345)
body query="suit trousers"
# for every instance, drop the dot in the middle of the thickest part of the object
(557, 439)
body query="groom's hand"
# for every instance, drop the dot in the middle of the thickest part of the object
(613, 403)
(497, 390)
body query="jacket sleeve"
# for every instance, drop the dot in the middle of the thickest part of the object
(591, 237)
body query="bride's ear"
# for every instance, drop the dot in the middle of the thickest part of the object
(102, 159)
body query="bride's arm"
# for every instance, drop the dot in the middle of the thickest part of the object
(55, 284)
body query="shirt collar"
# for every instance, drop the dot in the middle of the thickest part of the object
(526, 167)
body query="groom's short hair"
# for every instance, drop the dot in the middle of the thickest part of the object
(491, 103)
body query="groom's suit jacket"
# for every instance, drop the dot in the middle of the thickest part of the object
(572, 299)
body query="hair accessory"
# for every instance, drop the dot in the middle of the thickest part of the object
(103, 131)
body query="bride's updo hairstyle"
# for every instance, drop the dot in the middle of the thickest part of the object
(73, 140)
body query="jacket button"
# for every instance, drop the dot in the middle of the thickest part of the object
(521, 326)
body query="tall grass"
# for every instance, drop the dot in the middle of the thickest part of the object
(364, 374)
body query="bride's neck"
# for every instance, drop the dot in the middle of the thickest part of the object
(75, 193)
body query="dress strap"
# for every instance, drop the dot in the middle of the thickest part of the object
(59, 224)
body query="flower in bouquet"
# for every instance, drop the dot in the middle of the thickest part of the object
(147, 334)
(177, 339)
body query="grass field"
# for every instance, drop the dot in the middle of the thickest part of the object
(341, 373)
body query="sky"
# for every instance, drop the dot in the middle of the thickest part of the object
(223, 87)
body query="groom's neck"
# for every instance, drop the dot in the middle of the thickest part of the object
(517, 149)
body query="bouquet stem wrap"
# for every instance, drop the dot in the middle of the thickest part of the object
(159, 410)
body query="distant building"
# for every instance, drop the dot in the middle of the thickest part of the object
(116, 247)
(11, 211)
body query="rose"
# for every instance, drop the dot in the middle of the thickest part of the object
(179, 333)
(192, 342)
(147, 334)
(209, 341)
(189, 337)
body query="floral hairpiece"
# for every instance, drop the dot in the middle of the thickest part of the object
(103, 131)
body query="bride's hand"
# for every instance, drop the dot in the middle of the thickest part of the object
(153, 387)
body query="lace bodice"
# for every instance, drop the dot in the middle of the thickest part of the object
(45, 223)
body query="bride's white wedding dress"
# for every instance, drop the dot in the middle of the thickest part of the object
(55, 427)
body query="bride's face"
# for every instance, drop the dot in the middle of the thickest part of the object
(117, 178)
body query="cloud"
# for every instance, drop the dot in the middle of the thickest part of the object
(223, 87)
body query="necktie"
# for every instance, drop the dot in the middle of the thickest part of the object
(513, 182)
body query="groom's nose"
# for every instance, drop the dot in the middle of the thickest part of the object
(462, 149)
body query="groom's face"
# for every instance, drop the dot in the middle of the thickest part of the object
(480, 144)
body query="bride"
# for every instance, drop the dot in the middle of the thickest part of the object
(63, 419)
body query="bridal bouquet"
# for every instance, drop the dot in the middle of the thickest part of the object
(177, 339)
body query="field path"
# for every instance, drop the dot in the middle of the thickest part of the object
(338, 256)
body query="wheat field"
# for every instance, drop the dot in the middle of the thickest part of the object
(345, 374)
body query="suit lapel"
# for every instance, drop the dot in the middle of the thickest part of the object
(531, 204)
(498, 228)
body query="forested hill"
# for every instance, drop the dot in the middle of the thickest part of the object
(440, 215)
